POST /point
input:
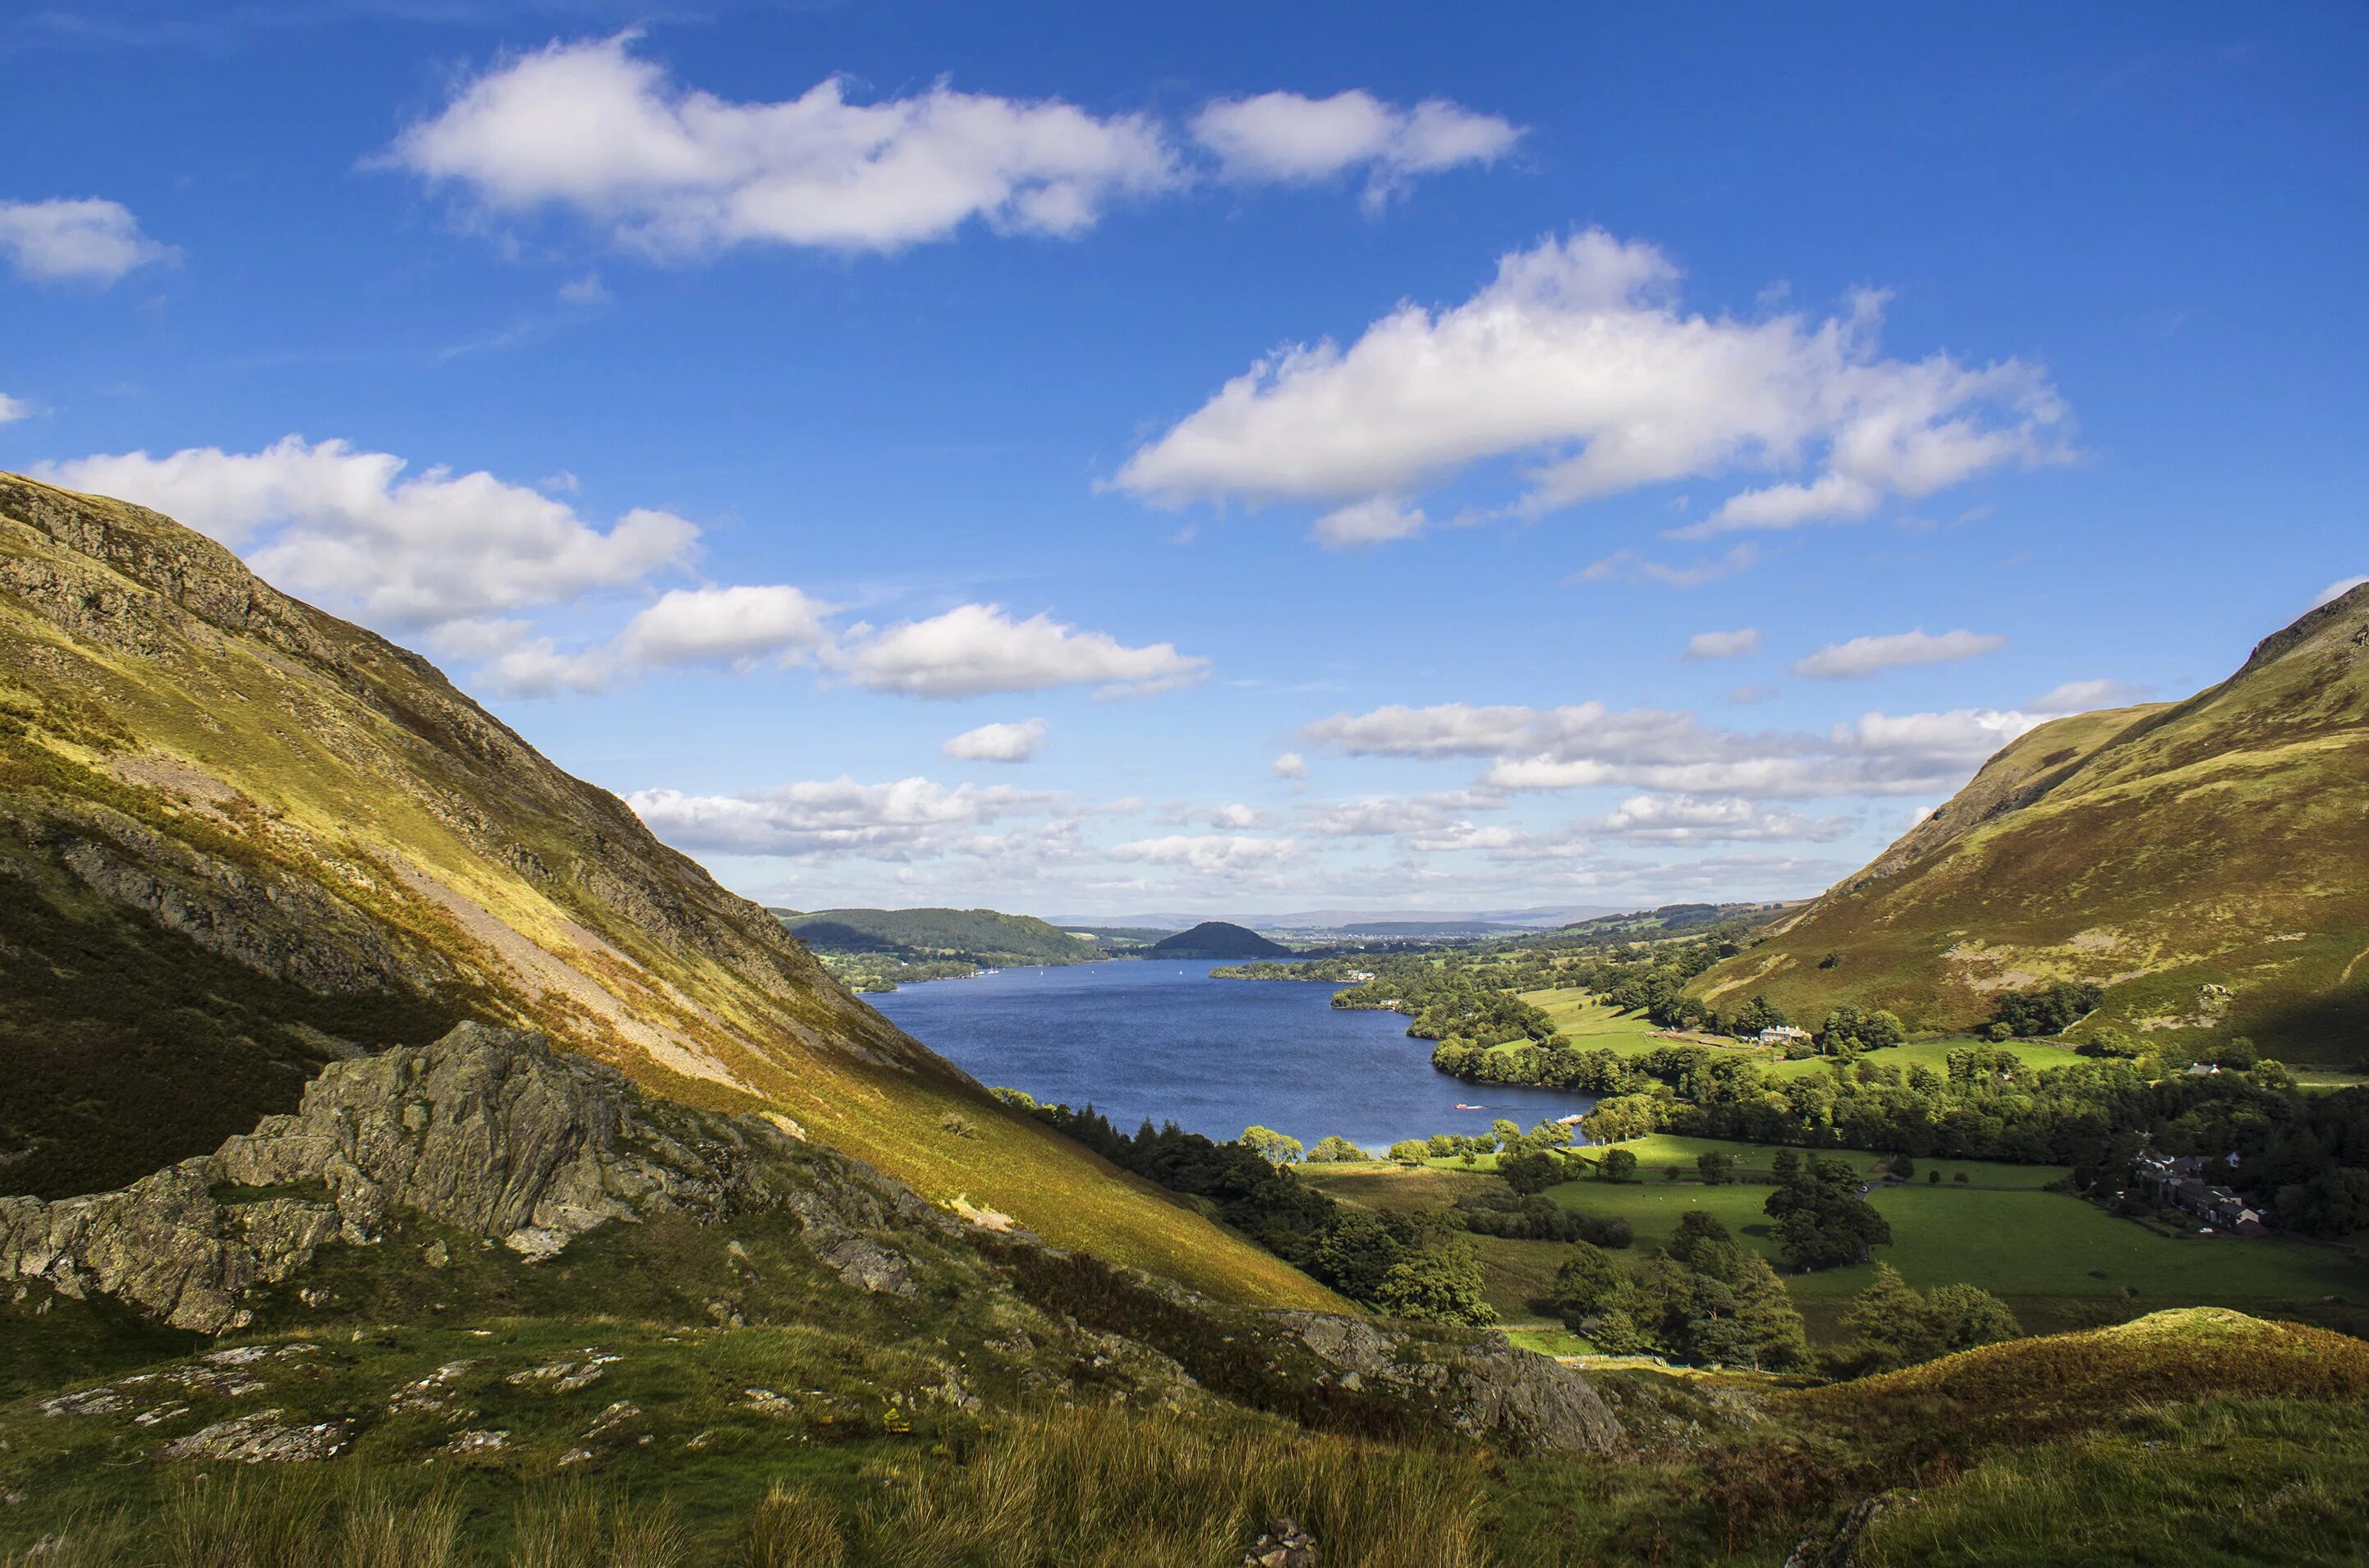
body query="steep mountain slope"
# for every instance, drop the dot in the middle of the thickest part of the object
(2206, 861)
(240, 838)
(981, 937)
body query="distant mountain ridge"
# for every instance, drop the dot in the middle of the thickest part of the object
(1216, 939)
(240, 838)
(2206, 862)
(980, 937)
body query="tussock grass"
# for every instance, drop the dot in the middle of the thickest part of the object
(1097, 1487)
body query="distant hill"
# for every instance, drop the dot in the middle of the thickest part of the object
(2206, 862)
(1670, 920)
(979, 936)
(1216, 939)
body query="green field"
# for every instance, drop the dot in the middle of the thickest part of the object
(1592, 1022)
(2056, 1259)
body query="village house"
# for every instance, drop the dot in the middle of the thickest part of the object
(1782, 1035)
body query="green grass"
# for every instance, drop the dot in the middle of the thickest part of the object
(2059, 1260)
(1934, 1054)
(1999, 1230)
(1592, 1022)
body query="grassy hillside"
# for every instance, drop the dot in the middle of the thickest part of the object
(980, 937)
(2205, 860)
(239, 838)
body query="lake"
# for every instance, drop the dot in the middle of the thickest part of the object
(1137, 1038)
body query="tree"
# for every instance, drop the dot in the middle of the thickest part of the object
(1848, 1031)
(1896, 1325)
(1757, 1014)
(1785, 1165)
(1356, 1253)
(1717, 1169)
(1440, 1282)
(1334, 1150)
(1822, 1222)
(1618, 1165)
(1410, 1149)
(1275, 1148)
(1587, 1281)
(1621, 1117)
(1441, 1145)
(1531, 1171)
(1506, 1131)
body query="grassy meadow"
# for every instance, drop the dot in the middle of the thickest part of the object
(2059, 1260)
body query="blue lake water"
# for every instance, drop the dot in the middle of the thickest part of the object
(1137, 1039)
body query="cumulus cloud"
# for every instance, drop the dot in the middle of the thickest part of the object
(1290, 765)
(2337, 590)
(593, 127)
(14, 409)
(739, 628)
(1686, 819)
(2085, 697)
(976, 649)
(840, 817)
(88, 240)
(405, 552)
(1864, 657)
(1291, 139)
(1723, 644)
(1589, 745)
(1578, 359)
(998, 742)
(1221, 854)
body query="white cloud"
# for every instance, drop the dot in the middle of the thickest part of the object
(998, 742)
(1578, 359)
(1589, 745)
(325, 519)
(1628, 565)
(976, 649)
(1209, 854)
(737, 628)
(14, 409)
(2337, 590)
(1368, 522)
(1745, 696)
(587, 291)
(1290, 765)
(1686, 819)
(1290, 139)
(2085, 697)
(591, 126)
(1723, 644)
(1864, 657)
(841, 816)
(90, 240)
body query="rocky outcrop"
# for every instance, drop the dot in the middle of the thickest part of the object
(487, 1131)
(1488, 1389)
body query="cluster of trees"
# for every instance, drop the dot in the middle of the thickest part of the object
(2043, 1009)
(2306, 1156)
(1412, 1266)
(1850, 1031)
(1822, 1220)
(1894, 1324)
(1706, 1299)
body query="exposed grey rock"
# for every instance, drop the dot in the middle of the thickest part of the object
(1485, 1388)
(1284, 1544)
(488, 1132)
(260, 1438)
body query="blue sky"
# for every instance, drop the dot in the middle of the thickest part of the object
(1094, 460)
